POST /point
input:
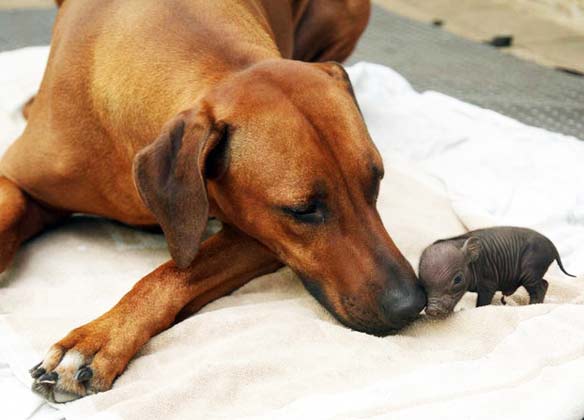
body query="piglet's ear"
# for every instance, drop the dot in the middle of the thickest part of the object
(471, 248)
(170, 175)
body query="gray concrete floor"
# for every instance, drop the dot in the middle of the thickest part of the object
(431, 58)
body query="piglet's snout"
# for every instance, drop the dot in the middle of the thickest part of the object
(439, 307)
(436, 312)
(400, 305)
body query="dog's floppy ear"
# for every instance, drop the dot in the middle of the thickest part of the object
(170, 176)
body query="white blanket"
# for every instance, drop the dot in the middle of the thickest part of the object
(269, 350)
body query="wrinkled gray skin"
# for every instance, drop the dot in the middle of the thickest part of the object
(485, 261)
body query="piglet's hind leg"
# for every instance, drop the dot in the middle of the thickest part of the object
(537, 291)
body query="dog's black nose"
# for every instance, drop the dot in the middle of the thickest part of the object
(401, 305)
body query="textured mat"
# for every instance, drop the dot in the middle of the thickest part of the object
(22, 28)
(430, 58)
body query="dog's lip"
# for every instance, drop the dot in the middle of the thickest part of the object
(365, 326)
(375, 330)
(373, 327)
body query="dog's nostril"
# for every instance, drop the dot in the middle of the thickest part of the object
(402, 305)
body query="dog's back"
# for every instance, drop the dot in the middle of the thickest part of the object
(112, 82)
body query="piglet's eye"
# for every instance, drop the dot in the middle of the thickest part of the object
(457, 279)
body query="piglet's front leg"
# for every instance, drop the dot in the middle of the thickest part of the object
(90, 357)
(485, 297)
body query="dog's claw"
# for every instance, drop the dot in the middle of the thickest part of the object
(84, 374)
(38, 373)
(48, 378)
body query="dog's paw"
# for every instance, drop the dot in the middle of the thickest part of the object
(87, 361)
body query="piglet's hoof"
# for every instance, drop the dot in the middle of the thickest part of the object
(503, 301)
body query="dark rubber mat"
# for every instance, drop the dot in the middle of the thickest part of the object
(429, 57)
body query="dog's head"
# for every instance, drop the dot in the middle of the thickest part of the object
(281, 152)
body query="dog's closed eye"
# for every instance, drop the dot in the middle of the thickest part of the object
(310, 213)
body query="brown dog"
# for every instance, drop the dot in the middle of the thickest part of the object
(166, 112)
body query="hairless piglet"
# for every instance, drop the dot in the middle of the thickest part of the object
(484, 261)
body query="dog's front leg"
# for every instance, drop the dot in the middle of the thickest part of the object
(90, 357)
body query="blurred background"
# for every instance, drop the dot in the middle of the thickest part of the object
(522, 58)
